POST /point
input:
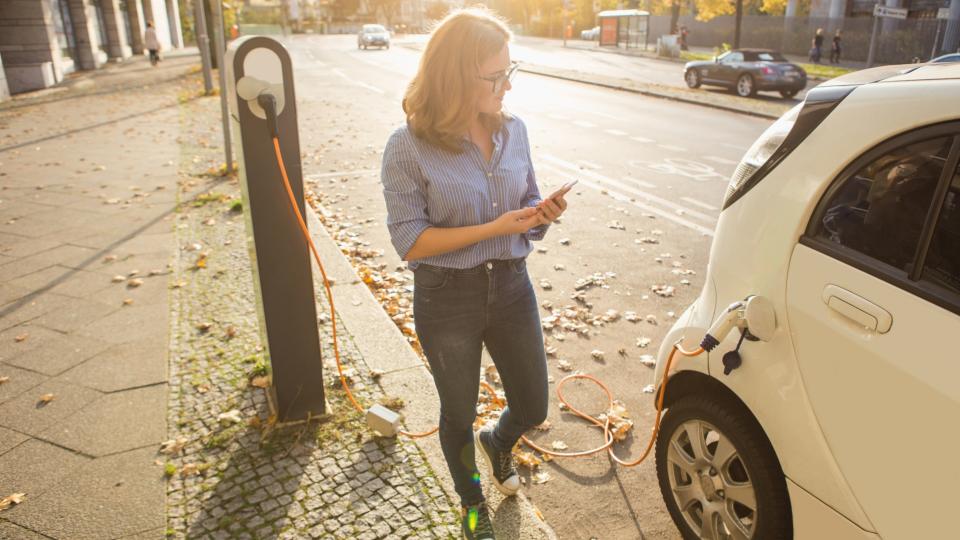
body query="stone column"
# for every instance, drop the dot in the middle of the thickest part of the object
(176, 31)
(137, 25)
(28, 42)
(4, 91)
(117, 47)
(83, 15)
(951, 37)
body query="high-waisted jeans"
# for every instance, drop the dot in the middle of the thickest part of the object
(457, 312)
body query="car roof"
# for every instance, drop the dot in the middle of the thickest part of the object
(898, 73)
(757, 51)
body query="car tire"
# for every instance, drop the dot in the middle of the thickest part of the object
(692, 77)
(789, 94)
(750, 467)
(746, 86)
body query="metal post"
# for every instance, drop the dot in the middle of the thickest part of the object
(203, 42)
(257, 66)
(873, 41)
(936, 40)
(222, 75)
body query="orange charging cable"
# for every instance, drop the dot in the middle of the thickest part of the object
(607, 435)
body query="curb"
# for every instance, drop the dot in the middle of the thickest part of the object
(384, 347)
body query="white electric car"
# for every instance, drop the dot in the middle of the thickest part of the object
(843, 419)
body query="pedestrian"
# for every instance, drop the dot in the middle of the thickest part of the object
(835, 48)
(683, 38)
(463, 209)
(152, 43)
(816, 51)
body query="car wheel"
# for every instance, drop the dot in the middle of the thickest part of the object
(718, 473)
(692, 76)
(745, 86)
(788, 94)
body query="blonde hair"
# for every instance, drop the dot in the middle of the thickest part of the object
(440, 101)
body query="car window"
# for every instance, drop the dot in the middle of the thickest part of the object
(942, 265)
(880, 210)
(771, 57)
(732, 58)
(374, 28)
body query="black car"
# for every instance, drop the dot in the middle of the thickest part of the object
(747, 71)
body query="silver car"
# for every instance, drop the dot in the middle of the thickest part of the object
(373, 35)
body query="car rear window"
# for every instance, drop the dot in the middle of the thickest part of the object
(374, 28)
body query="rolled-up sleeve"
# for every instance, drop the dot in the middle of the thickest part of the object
(402, 189)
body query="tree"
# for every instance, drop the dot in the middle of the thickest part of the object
(436, 11)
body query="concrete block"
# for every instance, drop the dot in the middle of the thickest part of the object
(24, 78)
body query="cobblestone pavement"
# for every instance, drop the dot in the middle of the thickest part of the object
(232, 472)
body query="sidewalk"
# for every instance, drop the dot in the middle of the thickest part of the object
(89, 190)
(132, 401)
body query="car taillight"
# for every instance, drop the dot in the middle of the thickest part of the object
(767, 70)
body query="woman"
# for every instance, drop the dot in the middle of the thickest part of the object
(151, 42)
(463, 207)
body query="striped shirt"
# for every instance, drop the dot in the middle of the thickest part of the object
(426, 186)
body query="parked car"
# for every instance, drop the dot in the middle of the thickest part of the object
(373, 35)
(953, 57)
(591, 34)
(844, 216)
(748, 71)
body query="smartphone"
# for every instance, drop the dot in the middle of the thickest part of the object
(563, 189)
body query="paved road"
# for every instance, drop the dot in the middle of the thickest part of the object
(650, 170)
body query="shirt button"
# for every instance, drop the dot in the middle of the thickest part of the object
(494, 205)
(489, 175)
(489, 266)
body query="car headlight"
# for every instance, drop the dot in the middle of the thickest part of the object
(761, 151)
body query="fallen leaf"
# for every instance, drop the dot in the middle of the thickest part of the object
(564, 241)
(643, 342)
(109, 258)
(260, 381)
(190, 469)
(201, 261)
(11, 500)
(564, 365)
(230, 417)
(134, 283)
(559, 445)
(648, 389)
(541, 477)
(4, 379)
(118, 279)
(21, 338)
(231, 332)
(545, 285)
(47, 398)
(597, 355)
(545, 426)
(204, 326)
(128, 301)
(526, 459)
(173, 446)
(648, 360)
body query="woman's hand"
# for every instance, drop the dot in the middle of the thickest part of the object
(550, 210)
(517, 221)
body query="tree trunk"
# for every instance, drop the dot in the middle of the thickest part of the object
(674, 16)
(736, 32)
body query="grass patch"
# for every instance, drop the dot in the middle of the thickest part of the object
(169, 469)
(236, 207)
(207, 198)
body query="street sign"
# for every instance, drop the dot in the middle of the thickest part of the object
(890, 12)
(943, 13)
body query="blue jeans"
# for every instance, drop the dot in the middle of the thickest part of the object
(457, 312)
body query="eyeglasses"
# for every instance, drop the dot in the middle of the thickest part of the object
(501, 79)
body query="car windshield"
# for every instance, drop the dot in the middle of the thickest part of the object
(374, 29)
(764, 57)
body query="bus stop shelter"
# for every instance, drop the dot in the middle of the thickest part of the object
(626, 28)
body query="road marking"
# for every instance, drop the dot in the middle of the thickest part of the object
(356, 82)
(556, 116)
(355, 172)
(616, 132)
(641, 139)
(721, 160)
(703, 205)
(588, 165)
(605, 115)
(559, 164)
(672, 148)
(641, 183)
(584, 124)
(630, 200)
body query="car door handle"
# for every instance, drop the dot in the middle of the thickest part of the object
(858, 309)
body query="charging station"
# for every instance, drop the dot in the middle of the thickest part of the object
(258, 67)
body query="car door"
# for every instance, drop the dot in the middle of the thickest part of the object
(873, 296)
(728, 68)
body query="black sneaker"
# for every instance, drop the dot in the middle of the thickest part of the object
(476, 523)
(499, 464)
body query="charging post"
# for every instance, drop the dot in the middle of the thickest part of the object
(258, 67)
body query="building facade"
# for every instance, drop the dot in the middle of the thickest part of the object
(42, 41)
